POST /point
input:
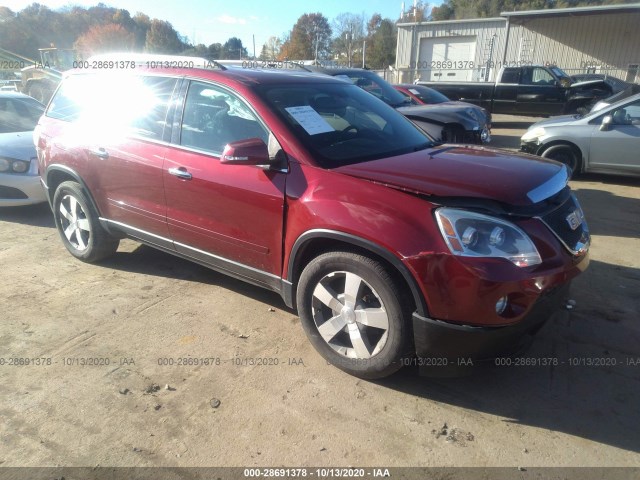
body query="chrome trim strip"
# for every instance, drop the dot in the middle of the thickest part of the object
(226, 260)
(144, 232)
(202, 252)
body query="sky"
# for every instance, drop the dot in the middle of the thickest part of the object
(215, 21)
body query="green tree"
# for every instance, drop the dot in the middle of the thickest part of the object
(310, 33)
(215, 51)
(233, 49)
(381, 42)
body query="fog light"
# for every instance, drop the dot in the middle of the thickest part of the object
(501, 305)
(485, 136)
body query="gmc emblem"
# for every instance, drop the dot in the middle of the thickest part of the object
(574, 219)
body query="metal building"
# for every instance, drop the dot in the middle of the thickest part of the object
(579, 40)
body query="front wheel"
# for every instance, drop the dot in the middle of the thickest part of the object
(352, 312)
(78, 224)
(563, 154)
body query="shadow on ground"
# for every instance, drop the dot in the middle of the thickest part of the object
(151, 261)
(35, 215)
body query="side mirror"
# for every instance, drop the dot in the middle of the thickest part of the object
(607, 121)
(252, 151)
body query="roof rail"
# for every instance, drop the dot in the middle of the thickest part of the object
(145, 58)
(265, 64)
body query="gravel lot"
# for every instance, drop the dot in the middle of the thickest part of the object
(261, 396)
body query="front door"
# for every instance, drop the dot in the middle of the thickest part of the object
(228, 216)
(617, 148)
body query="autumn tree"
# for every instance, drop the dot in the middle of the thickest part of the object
(416, 13)
(350, 32)
(105, 39)
(162, 38)
(142, 26)
(271, 49)
(310, 34)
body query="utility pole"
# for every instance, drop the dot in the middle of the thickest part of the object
(364, 51)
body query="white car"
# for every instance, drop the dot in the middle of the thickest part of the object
(605, 141)
(19, 179)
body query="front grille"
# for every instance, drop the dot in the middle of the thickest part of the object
(560, 220)
(10, 193)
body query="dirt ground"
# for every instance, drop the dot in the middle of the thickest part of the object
(111, 379)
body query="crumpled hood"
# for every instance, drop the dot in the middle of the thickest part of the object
(17, 145)
(467, 171)
(448, 112)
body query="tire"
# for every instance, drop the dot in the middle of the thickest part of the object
(337, 293)
(564, 154)
(78, 225)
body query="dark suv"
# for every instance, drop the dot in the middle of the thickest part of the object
(307, 185)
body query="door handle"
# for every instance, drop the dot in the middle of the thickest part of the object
(100, 153)
(180, 173)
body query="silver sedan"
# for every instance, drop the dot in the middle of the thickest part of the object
(19, 179)
(605, 141)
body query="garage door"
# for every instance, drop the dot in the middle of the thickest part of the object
(447, 58)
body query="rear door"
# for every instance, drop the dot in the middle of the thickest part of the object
(228, 216)
(114, 138)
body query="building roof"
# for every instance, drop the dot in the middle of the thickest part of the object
(562, 12)
(550, 12)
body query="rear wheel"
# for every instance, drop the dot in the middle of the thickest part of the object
(352, 313)
(78, 224)
(564, 154)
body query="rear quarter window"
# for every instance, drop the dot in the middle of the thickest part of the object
(133, 105)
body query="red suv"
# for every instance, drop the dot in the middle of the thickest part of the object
(390, 246)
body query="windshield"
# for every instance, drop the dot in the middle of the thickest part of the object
(428, 95)
(340, 124)
(559, 72)
(376, 86)
(19, 114)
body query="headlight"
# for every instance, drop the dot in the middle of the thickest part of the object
(13, 166)
(470, 234)
(19, 166)
(533, 134)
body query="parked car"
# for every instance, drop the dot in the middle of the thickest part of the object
(19, 180)
(606, 141)
(448, 125)
(387, 245)
(421, 95)
(529, 90)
